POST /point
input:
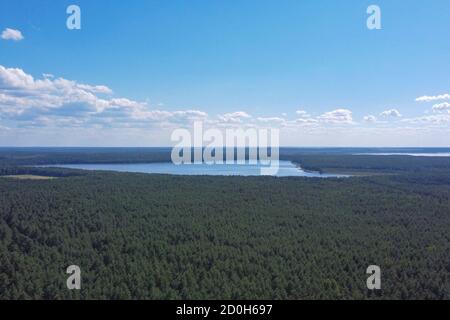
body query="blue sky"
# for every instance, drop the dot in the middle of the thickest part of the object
(232, 62)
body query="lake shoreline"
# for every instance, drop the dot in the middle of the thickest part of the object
(286, 169)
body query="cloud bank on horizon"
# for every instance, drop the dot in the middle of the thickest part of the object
(54, 103)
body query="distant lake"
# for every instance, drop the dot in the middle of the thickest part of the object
(286, 169)
(428, 154)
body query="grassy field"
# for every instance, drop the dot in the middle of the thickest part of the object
(28, 177)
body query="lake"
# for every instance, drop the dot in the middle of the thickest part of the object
(428, 154)
(286, 169)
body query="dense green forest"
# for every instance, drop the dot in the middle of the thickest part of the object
(141, 236)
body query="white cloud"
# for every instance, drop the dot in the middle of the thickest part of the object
(95, 89)
(58, 104)
(16, 79)
(11, 78)
(441, 107)
(124, 102)
(445, 96)
(271, 119)
(58, 101)
(302, 114)
(234, 117)
(20, 92)
(370, 119)
(306, 121)
(391, 113)
(168, 118)
(304, 118)
(338, 116)
(12, 34)
(431, 119)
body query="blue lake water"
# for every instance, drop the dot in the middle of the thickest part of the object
(424, 154)
(286, 169)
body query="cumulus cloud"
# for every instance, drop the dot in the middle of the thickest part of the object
(303, 118)
(234, 117)
(338, 116)
(60, 101)
(21, 93)
(12, 34)
(172, 116)
(441, 107)
(391, 113)
(51, 101)
(16, 79)
(370, 119)
(445, 96)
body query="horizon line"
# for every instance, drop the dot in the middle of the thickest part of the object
(288, 147)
